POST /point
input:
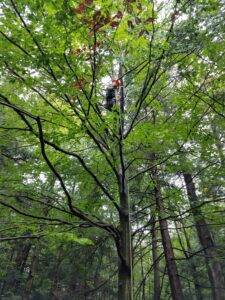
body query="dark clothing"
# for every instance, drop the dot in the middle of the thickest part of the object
(110, 93)
(110, 98)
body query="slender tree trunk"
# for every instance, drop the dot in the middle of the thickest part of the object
(142, 275)
(125, 289)
(22, 256)
(125, 285)
(205, 238)
(192, 265)
(193, 268)
(175, 283)
(28, 288)
(33, 268)
(156, 282)
(58, 261)
(21, 261)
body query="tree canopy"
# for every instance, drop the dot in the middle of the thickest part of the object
(125, 203)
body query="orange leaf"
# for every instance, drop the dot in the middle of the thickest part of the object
(80, 9)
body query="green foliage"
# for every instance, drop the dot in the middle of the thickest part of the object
(62, 154)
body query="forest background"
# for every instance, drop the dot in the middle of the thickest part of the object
(123, 204)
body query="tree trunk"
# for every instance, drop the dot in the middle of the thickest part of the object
(214, 267)
(192, 265)
(175, 283)
(124, 248)
(21, 261)
(33, 268)
(143, 275)
(156, 282)
(54, 289)
(125, 290)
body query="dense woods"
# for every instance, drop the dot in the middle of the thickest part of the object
(123, 203)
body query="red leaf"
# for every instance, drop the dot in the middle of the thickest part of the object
(88, 2)
(119, 15)
(114, 24)
(80, 9)
(79, 84)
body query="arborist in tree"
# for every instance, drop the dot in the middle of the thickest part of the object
(112, 94)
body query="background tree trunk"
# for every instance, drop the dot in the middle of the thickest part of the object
(175, 283)
(156, 282)
(193, 268)
(205, 238)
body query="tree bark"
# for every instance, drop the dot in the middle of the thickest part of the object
(192, 265)
(205, 238)
(54, 289)
(124, 248)
(21, 261)
(175, 283)
(33, 268)
(156, 282)
(143, 276)
(125, 289)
